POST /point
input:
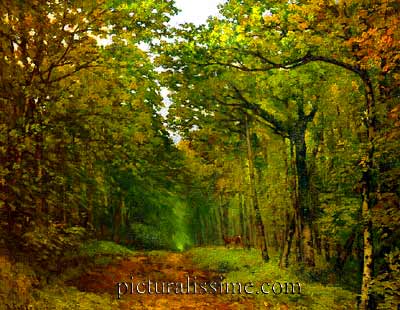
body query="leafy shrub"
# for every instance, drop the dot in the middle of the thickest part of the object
(48, 246)
(148, 237)
(16, 281)
(387, 284)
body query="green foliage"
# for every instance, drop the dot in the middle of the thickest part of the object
(83, 142)
(387, 284)
(107, 248)
(49, 245)
(69, 298)
(223, 260)
(147, 237)
(247, 266)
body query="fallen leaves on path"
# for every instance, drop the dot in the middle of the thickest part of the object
(172, 267)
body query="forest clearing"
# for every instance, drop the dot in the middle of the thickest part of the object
(259, 146)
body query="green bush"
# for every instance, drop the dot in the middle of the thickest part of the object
(149, 237)
(49, 245)
(386, 286)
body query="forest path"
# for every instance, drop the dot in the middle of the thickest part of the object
(170, 267)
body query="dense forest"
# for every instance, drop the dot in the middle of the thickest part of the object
(274, 127)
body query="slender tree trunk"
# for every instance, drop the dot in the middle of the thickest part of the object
(13, 158)
(367, 165)
(89, 196)
(218, 232)
(345, 252)
(241, 216)
(327, 249)
(221, 217)
(275, 237)
(368, 253)
(247, 215)
(259, 223)
(74, 187)
(225, 212)
(39, 178)
(317, 239)
(117, 220)
(202, 237)
(296, 204)
(284, 262)
(252, 222)
(247, 219)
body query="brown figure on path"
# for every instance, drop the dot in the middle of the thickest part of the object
(234, 240)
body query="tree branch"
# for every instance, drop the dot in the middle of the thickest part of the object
(274, 124)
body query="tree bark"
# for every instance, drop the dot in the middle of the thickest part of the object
(368, 252)
(367, 166)
(304, 199)
(241, 216)
(260, 229)
(117, 220)
(284, 262)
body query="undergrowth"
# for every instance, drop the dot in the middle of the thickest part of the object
(20, 288)
(239, 265)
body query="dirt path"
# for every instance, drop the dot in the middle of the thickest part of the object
(173, 267)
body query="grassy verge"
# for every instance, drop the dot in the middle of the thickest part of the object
(245, 266)
(59, 297)
(21, 289)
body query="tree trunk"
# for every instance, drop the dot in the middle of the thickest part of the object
(284, 262)
(296, 204)
(217, 231)
(259, 223)
(367, 165)
(222, 217)
(368, 252)
(241, 216)
(39, 175)
(117, 220)
(304, 199)
(345, 251)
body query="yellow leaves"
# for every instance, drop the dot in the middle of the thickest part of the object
(225, 33)
(334, 89)
(354, 85)
(303, 25)
(140, 137)
(99, 179)
(395, 113)
(271, 19)
(29, 21)
(255, 15)
(318, 40)
(6, 19)
(221, 184)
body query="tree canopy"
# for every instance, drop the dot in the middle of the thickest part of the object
(287, 114)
